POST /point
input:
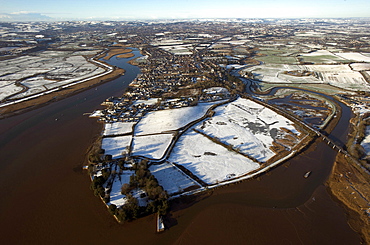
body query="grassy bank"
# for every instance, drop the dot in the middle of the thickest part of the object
(123, 52)
(350, 186)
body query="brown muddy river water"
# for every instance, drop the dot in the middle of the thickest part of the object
(45, 196)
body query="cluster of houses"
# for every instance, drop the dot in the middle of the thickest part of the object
(120, 110)
(163, 77)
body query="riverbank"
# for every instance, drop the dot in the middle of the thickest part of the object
(121, 52)
(349, 185)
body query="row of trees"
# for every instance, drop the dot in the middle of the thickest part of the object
(157, 196)
(98, 182)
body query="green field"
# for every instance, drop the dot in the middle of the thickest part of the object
(323, 59)
(276, 57)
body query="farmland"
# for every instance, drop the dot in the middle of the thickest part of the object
(214, 103)
(29, 75)
(341, 76)
(240, 138)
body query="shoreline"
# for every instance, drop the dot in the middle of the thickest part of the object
(347, 186)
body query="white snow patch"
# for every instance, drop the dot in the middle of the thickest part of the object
(165, 120)
(118, 128)
(171, 178)
(360, 66)
(366, 141)
(97, 113)
(246, 126)
(116, 145)
(151, 146)
(318, 53)
(216, 90)
(209, 161)
(354, 56)
(116, 197)
(151, 101)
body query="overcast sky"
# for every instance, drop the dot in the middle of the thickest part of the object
(159, 9)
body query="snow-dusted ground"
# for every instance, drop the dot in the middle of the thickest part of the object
(164, 120)
(151, 146)
(327, 68)
(209, 161)
(366, 141)
(8, 89)
(171, 178)
(336, 75)
(151, 101)
(97, 113)
(270, 72)
(319, 53)
(116, 197)
(351, 80)
(235, 66)
(322, 56)
(248, 126)
(178, 49)
(354, 56)
(118, 128)
(49, 70)
(116, 145)
(360, 66)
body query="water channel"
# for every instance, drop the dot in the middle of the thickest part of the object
(46, 197)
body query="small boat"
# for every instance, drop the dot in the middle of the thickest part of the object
(307, 174)
(160, 224)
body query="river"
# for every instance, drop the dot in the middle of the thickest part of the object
(45, 196)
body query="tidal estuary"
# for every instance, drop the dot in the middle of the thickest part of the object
(46, 197)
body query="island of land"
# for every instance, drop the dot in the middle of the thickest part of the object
(216, 103)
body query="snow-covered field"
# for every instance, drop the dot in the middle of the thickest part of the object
(165, 120)
(209, 161)
(151, 146)
(354, 56)
(327, 68)
(116, 197)
(322, 56)
(116, 145)
(341, 76)
(179, 50)
(176, 47)
(118, 128)
(318, 53)
(352, 80)
(171, 178)
(270, 72)
(49, 70)
(8, 90)
(360, 66)
(248, 127)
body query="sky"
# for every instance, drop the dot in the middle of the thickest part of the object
(174, 9)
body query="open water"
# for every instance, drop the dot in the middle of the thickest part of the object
(45, 196)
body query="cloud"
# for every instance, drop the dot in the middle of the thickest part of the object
(24, 16)
(23, 12)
